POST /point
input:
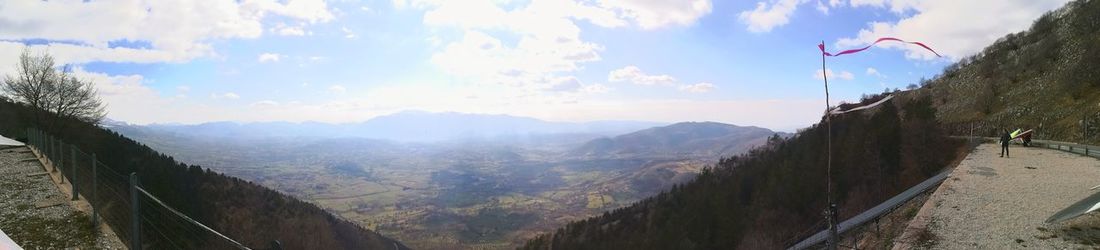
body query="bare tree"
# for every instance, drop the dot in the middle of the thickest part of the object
(77, 99)
(61, 95)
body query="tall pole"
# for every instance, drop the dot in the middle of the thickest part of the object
(830, 212)
(829, 134)
(135, 219)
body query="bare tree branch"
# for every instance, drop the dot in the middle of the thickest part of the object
(61, 95)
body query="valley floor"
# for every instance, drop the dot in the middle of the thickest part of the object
(990, 202)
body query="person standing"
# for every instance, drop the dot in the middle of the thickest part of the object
(1005, 138)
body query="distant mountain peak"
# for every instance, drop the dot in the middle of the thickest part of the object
(706, 139)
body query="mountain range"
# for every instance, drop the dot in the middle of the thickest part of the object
(706, 139)
(407, 126)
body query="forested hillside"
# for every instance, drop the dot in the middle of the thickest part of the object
(1046, 78)
(249, 213)
(700, 139)
(760, 200)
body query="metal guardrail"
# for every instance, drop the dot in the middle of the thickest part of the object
(114, 197)
(876, 211)
(892, 203)
(1072, 147)
(1082, 149)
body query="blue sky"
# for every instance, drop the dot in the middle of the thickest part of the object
(742, 62)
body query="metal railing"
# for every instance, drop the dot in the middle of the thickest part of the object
(876, 211)
(1072, 147)
(120, 201)
(1077, 148)
(896, 201)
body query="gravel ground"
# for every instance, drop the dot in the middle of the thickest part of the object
(54, 227)
(990, 202)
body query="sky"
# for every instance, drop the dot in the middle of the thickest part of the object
(741, 62)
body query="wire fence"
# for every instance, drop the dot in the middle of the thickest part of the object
(138, 217)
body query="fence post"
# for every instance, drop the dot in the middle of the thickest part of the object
(53, 153)
(95, 196)
(49, 152)
(60, 159)
(72, 154)
(135, 216)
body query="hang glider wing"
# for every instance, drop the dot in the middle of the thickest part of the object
(1077, 209)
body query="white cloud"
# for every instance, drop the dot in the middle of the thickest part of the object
(264, 104)
(564, 84)
(313, 11)
(226, 95)
(702, 87)
(268, 57)
(656, 14)
(347, 33)
(606, 13)
(835, 3)
(822, 8)
(949, 26)
(532, 61)
(873, 3)
(175, 30)
(765, 18)
(286, 30)
(76, 54)
(337, 89)
(843, 75)
(547, 43)
(635, 75)
(595, 89)
(874, 72)
(896, 6)
(129, 99)
(183, 88)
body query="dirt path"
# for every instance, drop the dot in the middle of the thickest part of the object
(990, 202)
(36, 214)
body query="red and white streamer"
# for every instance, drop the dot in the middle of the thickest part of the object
(851, 51)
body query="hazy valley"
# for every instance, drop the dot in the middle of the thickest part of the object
(475, 191)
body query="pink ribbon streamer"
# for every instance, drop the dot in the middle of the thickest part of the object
(851, 51)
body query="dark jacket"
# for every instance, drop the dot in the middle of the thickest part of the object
(1005, 138)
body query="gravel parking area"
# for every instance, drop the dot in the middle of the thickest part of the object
(35, 214)
(990, 202)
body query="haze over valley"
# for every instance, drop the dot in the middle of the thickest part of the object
(519, 178)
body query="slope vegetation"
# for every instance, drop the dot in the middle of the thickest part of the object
(1047, 78)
